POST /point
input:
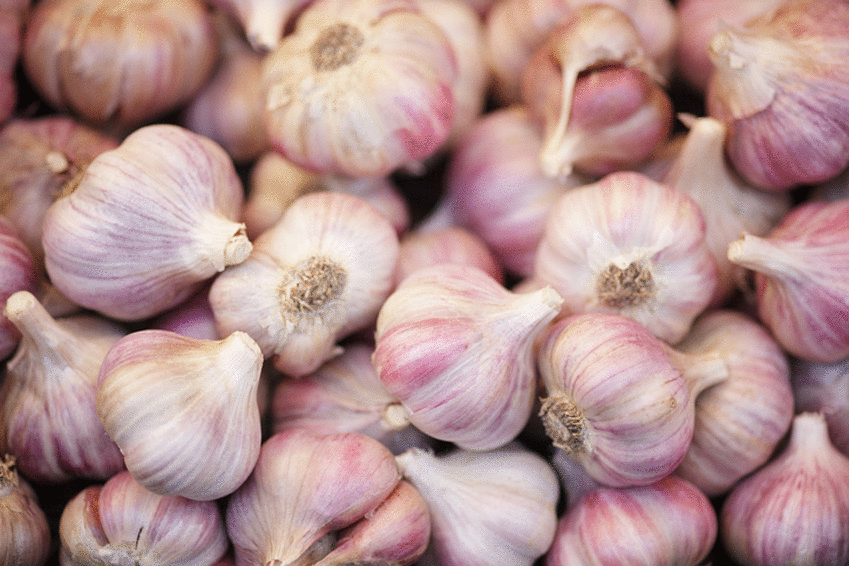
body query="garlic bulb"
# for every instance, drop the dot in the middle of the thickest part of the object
(194, 318)
(264, 22)
(119, 64)
(317, 275)
(780, 85)
(800, 271)
(49, 390)
(824, 388)
(17, 273)
(13, 15)
(631, 246)
(26, 534)
(740, 421)
(795, 510)
(360, 88)
(495, 507)
(619, 400)
(166, 197)
(305, 487)
(456, 349)
(120, 522)
(183, 410)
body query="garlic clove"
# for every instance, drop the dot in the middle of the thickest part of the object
(17, 273)
(26, 534)
(183, 411)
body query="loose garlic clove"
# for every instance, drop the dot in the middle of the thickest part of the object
(496, 507)
(17, 273)
(48, 394)
(120, 522)
(264, 22)
(456, 348)
(26, 534)
(319, 274)
(360, 88)
(304, 488)
(166, 197)
(183, 411)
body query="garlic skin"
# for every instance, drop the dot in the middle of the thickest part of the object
(167, 197)
(740, 421)
(800, 279)
(17, 273)
(317, 275)
(306, 486)
(48, 394)
(183, 411)
(120, 522)
(194, 319)
(784, 72)
(263, 22)
(360, 88)
(119, 64)
(631, 246)
(795, 510)
(456, 349)
(824, 388)
(619, 400)
(26, 534)
(495, 507)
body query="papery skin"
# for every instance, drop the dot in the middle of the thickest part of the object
(49, 390)
(119, 64)
(183, 410)
(346, 236)
(194, 318)
(780, 85)
(824, 388)
(495, 507)
(26, 534)
(384, 104)
(667, 523)
(795, 510)
(17, 273)
(168, 198)
(120, 522)
(456, 348)
(306, 485)
(800, 278)
(451, 244)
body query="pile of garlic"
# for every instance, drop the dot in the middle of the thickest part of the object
(424, 282)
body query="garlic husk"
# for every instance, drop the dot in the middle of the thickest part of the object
(631, 246)
(360, 88)
(264, 22)
(740, 421)
(17, 273)
(304, 488)
(26, 534)
(456, 349)
(619, 400)
(794, 510)
(317, 275)
(183, 410)
(119, 64)
(780, 85)
(800, 271)
(824, 388)
(48, 394)
(121, 522)
(494, 507)
(729, 205)
(168, 198)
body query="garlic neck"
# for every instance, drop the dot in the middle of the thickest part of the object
(565, 424)
(765, 256)
(338, 45)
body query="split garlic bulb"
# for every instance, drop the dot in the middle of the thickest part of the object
(26, 534)
(183, 410)
(166, 197)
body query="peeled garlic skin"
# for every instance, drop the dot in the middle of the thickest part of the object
(26, 535)
(120, 522)
(17, 273)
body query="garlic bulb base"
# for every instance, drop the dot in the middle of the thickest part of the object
(619, 287)
(565, 423)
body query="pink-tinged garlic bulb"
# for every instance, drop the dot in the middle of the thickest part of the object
(194, 319)
(618, 400)
(451, 244)
(183, 410)
(794, 510)
(729, 205)
(824, 388)
(305, 487)
(121, 522)
(26, 534)
(167, 198)
(456, 349)
(319, 274)
(264, 22)
(800, 269)
(13, 15)
(119, 64)
(781, 86)
(360, 88)
(49, 390)
(17, 273)
(740, 421)
(495, 187)
(631, 246)
(495, 507)
(38, 156)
